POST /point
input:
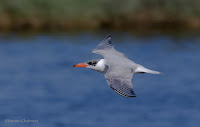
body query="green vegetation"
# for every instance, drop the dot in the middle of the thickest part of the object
(98, 14)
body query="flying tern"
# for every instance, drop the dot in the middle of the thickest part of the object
(116, 67)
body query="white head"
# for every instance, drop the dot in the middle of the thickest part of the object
(97, 65)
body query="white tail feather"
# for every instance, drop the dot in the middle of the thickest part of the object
(141, 69)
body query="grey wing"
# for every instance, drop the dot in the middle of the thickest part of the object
(105, 44)
(118, 75)
(121, 84)
(106, 49)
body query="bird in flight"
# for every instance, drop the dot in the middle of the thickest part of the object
(116, 67)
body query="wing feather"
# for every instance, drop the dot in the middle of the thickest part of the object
(106, 49)
(121, 86)
(120, 80)
(119, 72)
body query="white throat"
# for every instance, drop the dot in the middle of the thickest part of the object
(101, 65)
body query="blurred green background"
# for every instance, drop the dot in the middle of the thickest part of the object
(99, 14)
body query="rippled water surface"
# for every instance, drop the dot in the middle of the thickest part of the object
(37, 82)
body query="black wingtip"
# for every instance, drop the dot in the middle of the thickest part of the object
(108, 36)
(133, 95)
(130, 95)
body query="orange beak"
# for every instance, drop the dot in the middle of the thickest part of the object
(80, 65)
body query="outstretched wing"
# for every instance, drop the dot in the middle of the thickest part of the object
(120, 71)
(105, 44)
(121, 86)
(120, 81)
(106, 49)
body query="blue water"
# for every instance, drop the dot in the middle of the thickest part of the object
(37, 82)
